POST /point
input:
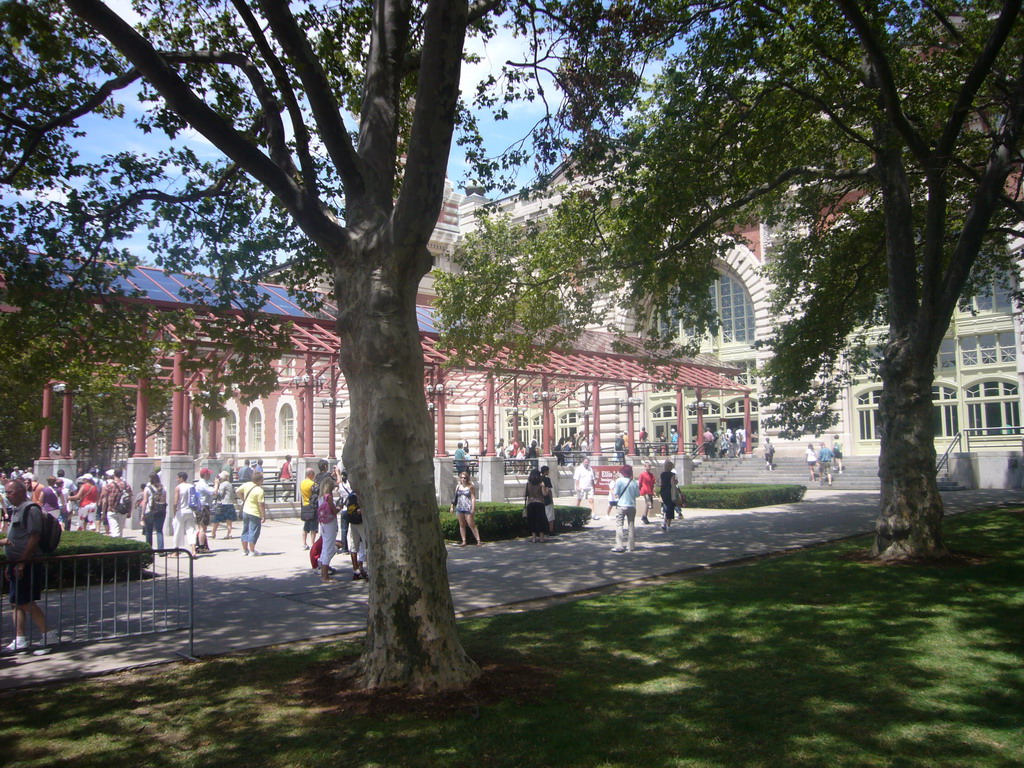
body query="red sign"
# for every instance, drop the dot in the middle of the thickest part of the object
(604, 477)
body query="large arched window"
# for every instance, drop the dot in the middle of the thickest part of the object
(568, 424)
(735, 310)
(286, 428)
(947, 419)
(254, 443)
(992, 405)
(231, 433)
(867, 415)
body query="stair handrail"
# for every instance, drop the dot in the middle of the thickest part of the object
(943, 462)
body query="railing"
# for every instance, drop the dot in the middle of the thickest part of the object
(521, 466)
(473, 467)
(107, 595)
(654, 448)
(279, 490)
(981, 437)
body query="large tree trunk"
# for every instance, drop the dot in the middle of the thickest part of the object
(411, 639)
(910, 520)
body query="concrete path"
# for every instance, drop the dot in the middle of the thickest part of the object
(243, 603)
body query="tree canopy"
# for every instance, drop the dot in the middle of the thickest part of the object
(880, 145)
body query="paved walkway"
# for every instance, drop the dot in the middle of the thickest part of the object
(244, 603)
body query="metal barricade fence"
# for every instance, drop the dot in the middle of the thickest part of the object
(107, 595)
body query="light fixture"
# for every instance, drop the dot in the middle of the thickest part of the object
(60, 388)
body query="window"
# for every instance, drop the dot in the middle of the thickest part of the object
(735, 310)
(946, 414)
(987, 349)
(946, 359)
(746, 376)
(286, 428)
(992, 405)
(995, 297)
(254, 443)
(231, 433)
(868, 420)
(568, 424)
(663, 418)
(735, 407)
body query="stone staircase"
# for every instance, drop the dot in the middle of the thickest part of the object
(860, 473)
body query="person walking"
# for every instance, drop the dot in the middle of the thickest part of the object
(224, 501)
(669, 493)
(25, 573)
(464, 508)
(837, 453)
(825, 463)
(646, 481)
(254, 512)
(154, 511)
(181, 523)
(115, 503)
(624, 494)
(205, 509)
(583, 480)
(308, 512)
(327, 517)
(534, 507)
(769, 455)
(811, 457)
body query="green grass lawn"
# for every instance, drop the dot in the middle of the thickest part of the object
(809, 659)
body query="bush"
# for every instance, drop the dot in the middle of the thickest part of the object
(740, 496)
(83, 570)
(498, 520)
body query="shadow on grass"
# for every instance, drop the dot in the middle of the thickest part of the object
(804, 660)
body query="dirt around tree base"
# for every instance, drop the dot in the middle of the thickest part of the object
(952, 559)
(333, 689)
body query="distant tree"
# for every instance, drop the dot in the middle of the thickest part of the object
(328, 128)
(880, 142)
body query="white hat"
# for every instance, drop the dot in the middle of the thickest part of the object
(86, 476)
(110, 473)
(28, 475)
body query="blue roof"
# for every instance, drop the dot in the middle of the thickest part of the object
(156, 284)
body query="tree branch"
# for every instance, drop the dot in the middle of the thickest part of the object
(326, 110)
(287, 94)
(437, 96)
(37, 132)
(317, 222)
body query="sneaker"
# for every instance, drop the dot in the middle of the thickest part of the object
(664, 528)
(42, 651)
(305, 546)
(618, 549)
(52, 637)
(356, 576)
(645, 521)
(17, 644)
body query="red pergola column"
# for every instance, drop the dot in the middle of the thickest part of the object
(630, 424)
(746, 423)
(679, 418)
(300, 422)
(141, 418)
(308, 409)
(44, 438)
(178, 407)
(489, 432)
(700, 420)
(547, 422)
(595, 443)
(214, 430)
(439, 400)
(65, 424)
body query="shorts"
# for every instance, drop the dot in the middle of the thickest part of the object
(88, 513)
(203, 517)
(225, 514)
(310, 526)
(584, 494)
(29, 588)
(837, 454)
(549, 510)
(825, 467)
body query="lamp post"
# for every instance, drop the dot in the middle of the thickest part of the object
(333, 403)
(436, 394)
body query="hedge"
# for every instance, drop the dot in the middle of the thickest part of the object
(91, 570)
(739, 495)
(497, 520)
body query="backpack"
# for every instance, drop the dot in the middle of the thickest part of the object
(50, 532)
(350, 511)
(195, 499)
(124, 501)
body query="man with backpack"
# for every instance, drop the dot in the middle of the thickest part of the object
(26, 575)
(116, 503)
